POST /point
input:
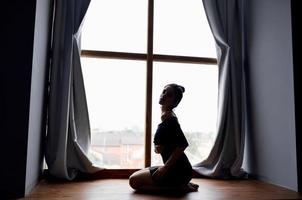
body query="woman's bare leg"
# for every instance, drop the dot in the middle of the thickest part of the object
(141, 179)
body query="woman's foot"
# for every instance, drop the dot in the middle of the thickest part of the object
(192, 187)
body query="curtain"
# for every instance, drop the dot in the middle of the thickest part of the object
(68, 136)
(226, 20)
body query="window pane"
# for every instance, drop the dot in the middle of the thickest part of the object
(116, 25)
(181, 28)
(116, 92)
(198, 109)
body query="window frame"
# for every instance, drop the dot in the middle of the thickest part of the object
(149, 57)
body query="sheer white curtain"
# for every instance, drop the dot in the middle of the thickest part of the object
(226, 19)
(68, 136)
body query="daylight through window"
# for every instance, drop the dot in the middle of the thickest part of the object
(120, 83)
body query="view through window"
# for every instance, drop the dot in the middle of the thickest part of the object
(116, 88)
(115, 91)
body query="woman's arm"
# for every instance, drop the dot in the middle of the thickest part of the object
(172, 159)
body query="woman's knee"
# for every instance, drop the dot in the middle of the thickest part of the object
(134, 181)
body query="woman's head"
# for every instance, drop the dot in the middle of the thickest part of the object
(171, 95)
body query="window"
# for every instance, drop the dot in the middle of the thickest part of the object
(117, 119)
(130, 50)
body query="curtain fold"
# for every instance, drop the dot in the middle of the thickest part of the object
(68, 136)
(226, 20)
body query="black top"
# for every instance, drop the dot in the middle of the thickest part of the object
(170, 136)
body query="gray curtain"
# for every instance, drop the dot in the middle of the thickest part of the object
(226, 19)
(68, 136)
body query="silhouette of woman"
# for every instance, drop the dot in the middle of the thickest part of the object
(170, 143)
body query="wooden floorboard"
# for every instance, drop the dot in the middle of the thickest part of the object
(118, 189)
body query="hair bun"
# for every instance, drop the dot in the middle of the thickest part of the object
(182, 88)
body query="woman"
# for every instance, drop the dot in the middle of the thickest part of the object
(170, 142)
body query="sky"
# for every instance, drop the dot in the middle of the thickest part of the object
(116, 89)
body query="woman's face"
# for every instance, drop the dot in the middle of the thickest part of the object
(167, 97)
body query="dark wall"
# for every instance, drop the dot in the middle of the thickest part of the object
(16, 36)
(271, 143)
(37, 111)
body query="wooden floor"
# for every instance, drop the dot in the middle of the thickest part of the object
(118, 189)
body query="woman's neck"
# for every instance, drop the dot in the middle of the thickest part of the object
(166, 113)
(165, 109)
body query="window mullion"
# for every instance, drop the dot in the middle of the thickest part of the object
(143, 56)
(148, 122)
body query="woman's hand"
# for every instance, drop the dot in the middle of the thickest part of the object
(158, 149)
(159, 173)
